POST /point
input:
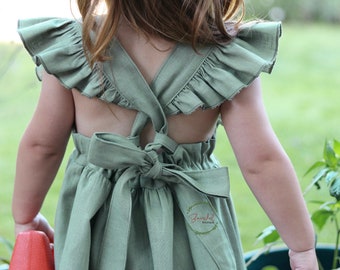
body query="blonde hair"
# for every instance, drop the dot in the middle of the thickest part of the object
(188, 21)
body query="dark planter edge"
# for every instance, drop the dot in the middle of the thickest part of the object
(278, 256)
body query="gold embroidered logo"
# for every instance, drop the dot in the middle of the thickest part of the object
(201, 218)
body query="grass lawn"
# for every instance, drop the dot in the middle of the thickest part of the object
(301, 96)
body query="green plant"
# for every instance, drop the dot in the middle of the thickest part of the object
(4, 260)
(328, 171)
(327, 175)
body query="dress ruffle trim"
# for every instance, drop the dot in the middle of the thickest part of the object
(56, 46)
(229, 68)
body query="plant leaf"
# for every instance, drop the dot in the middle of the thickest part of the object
(316, 179)
(336, 147)
(268, 235)
(315, 166)
(320, 175)
(329, 155)
(320, 217)
(334, 189)
(328, 206)
(317, 202)
(335, 206)
(9, 246)
(3, 260)
(330, 176)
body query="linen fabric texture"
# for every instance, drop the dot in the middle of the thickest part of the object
(167, 205)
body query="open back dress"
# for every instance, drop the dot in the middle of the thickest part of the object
(164, 206)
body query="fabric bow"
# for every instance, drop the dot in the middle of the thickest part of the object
(142, 168)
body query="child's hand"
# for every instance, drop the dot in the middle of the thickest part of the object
(39, 223)
(304, 260)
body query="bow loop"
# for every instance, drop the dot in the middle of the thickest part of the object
(110, 151)
(153, 168)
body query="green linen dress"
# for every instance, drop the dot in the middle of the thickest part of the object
(166, 206)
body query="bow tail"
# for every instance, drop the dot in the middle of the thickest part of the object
(158, 207)
(204, 229)
(116, 234)
(92, 191)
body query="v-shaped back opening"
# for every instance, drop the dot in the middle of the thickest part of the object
(133, 87)
(173, 73)
(137, 68)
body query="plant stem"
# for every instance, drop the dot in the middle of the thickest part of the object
(336, 250)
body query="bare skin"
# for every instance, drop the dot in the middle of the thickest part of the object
(263, 162)
(196, 127)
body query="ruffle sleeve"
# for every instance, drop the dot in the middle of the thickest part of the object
(227, 69)
(55, 45)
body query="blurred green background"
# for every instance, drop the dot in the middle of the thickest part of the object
(301, 96)
(326, 11)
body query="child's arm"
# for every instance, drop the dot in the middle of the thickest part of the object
(40, 153)
(267, 169)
